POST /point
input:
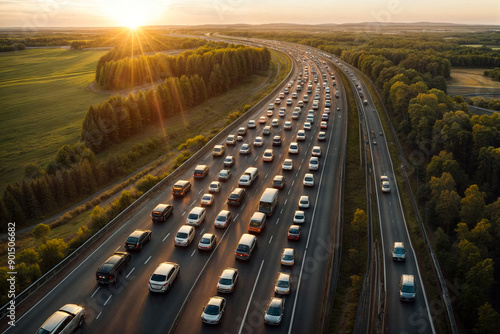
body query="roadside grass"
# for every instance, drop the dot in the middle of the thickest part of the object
(206, 119)
(354, 246)
(43, 97)
(417, 238)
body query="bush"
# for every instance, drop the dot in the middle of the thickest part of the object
(146, 183)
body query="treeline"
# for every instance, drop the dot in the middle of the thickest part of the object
(130, 72)
(219, 70)
(493, 104)
(12, 47)
(494, 74)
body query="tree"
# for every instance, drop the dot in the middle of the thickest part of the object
(29, 201)
(447, 207)
(51, 253)
(98, 218)
(41, 231)
(32, 170)
(472, 205)
(488, 320)
(359, 223)
(468, 255)
(28, 256)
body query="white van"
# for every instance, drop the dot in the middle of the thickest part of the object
(248, 176)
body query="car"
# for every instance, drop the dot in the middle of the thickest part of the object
(374, 142)
(207, 199)
(214, 187)
(294, 232)
(313, 163)
(137, 240)
(259, 141)
(227, 280)
(229, 161)
(268, 155)
(295, 115)
(213, 311)
(269, 113)
(287, 90)
(324, 117)
(308, 180)
(271, 106)
(224, 175)
(279, 182)
(161, 212)
(283, 284)
(293, 148)
(328, 96)
(288, 257)
(288, 125)
(287, 164)
(326, 111)
(398, 251)
(294, 95)
(242, 131)
(323, 125)
(245, 148)
(207, 242)
(328, 103)
(299, 217)
(322, 136)
(66, 320)
(305, 99)
(386, 187)
(196, 216)
(277, 101)
(380, 133)
(251, 124)
(384, 178)
(300, 103)
(274, 311)
(267, 130)
(301, 135)
(223, 219)
(338, 108)
(298, 109)
(310, 118)
(275, 122)
(310, 113)
(236, 196)
(304, 202)
(109, 271)
(218, 150)
(163, 277)
(184, 236)
(282, 112)
(262, 119)
(316, 151)
(231, 140)
(407, 288)
(307, 126)
(277, 140)
(200, 171)
(289, 102)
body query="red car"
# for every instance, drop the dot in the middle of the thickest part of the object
(294, 232)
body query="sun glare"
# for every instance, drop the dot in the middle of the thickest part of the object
(132, 13)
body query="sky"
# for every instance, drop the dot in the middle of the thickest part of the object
(99, 13)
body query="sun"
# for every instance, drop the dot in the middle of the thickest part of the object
(132, 13)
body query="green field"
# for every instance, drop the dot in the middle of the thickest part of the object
(43, 97)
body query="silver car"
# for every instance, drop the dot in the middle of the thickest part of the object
(163, 277)
(283, 284)
(227, 280)
(66, 320)
(274, 311)
(398, 251)
(213, 311)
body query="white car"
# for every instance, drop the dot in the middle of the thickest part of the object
(300, 103)
(207, 242)
(301, 135)
(293, 148)
(322, 136)
(308, 180)
(163, 277)
(314, 163)
(269, 113)
(268, 155)
(251, 124)
(281, 113)
(245, 148)
(288, 125)
(283, 284)
(259, 141)
(184, 236)
(324, 117)
(307, 126)
(287, 164)
(316, 151)
(207, 199)
(213, 311)
(326, 111)
(263, 119)
(288, 257)
(214, 187)
(298, 110)
(304, 202)
(66, 320)
(223, 219)
(275, 122)
(294, 95)
(386, 187)
(196, 216)
(295, 115)
(289, 102)
(227, 280)
(299, 217)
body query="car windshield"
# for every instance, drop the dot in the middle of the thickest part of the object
(221, 218)
(294, 231)
(273, 310)
(304, 201)
(225, 281)
(193, 216)
(242, 248)
(399, 250)
(158, 278)
(282, 284)
(132, 240)
(255, 223)
(299, 216)
(213, 186)
(287, 257)
(309, 178)
(204, 241)
(212, 310)
(408, 288)
(206, 198)
(314, 162)
(182, 235)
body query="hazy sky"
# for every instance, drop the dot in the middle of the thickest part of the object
(88, 13)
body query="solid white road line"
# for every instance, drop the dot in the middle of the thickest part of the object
(250, 300)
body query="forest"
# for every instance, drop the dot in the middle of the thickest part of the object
(461, 151)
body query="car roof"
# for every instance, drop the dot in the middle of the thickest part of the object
(215, 301)
(399, 244)
(164, 268)
(276, 302)
(201, 166)
(228, 272)
(284, 276)
(279, 177)
(207, 235)
(186, 228)
(197, 209)
(138, 233)
(224, 213)
(287, 251)
(304, 197)
(54, 320)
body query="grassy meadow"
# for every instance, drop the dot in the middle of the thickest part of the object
(471, 81)
(43, 97)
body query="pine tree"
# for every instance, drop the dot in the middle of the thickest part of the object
(13, 207)
(45, 194)
(29, 201)
(88, 180)
(143, 107)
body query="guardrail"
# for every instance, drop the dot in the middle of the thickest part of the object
(21, 297)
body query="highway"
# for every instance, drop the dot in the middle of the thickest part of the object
(400, 317)
(128, 306)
